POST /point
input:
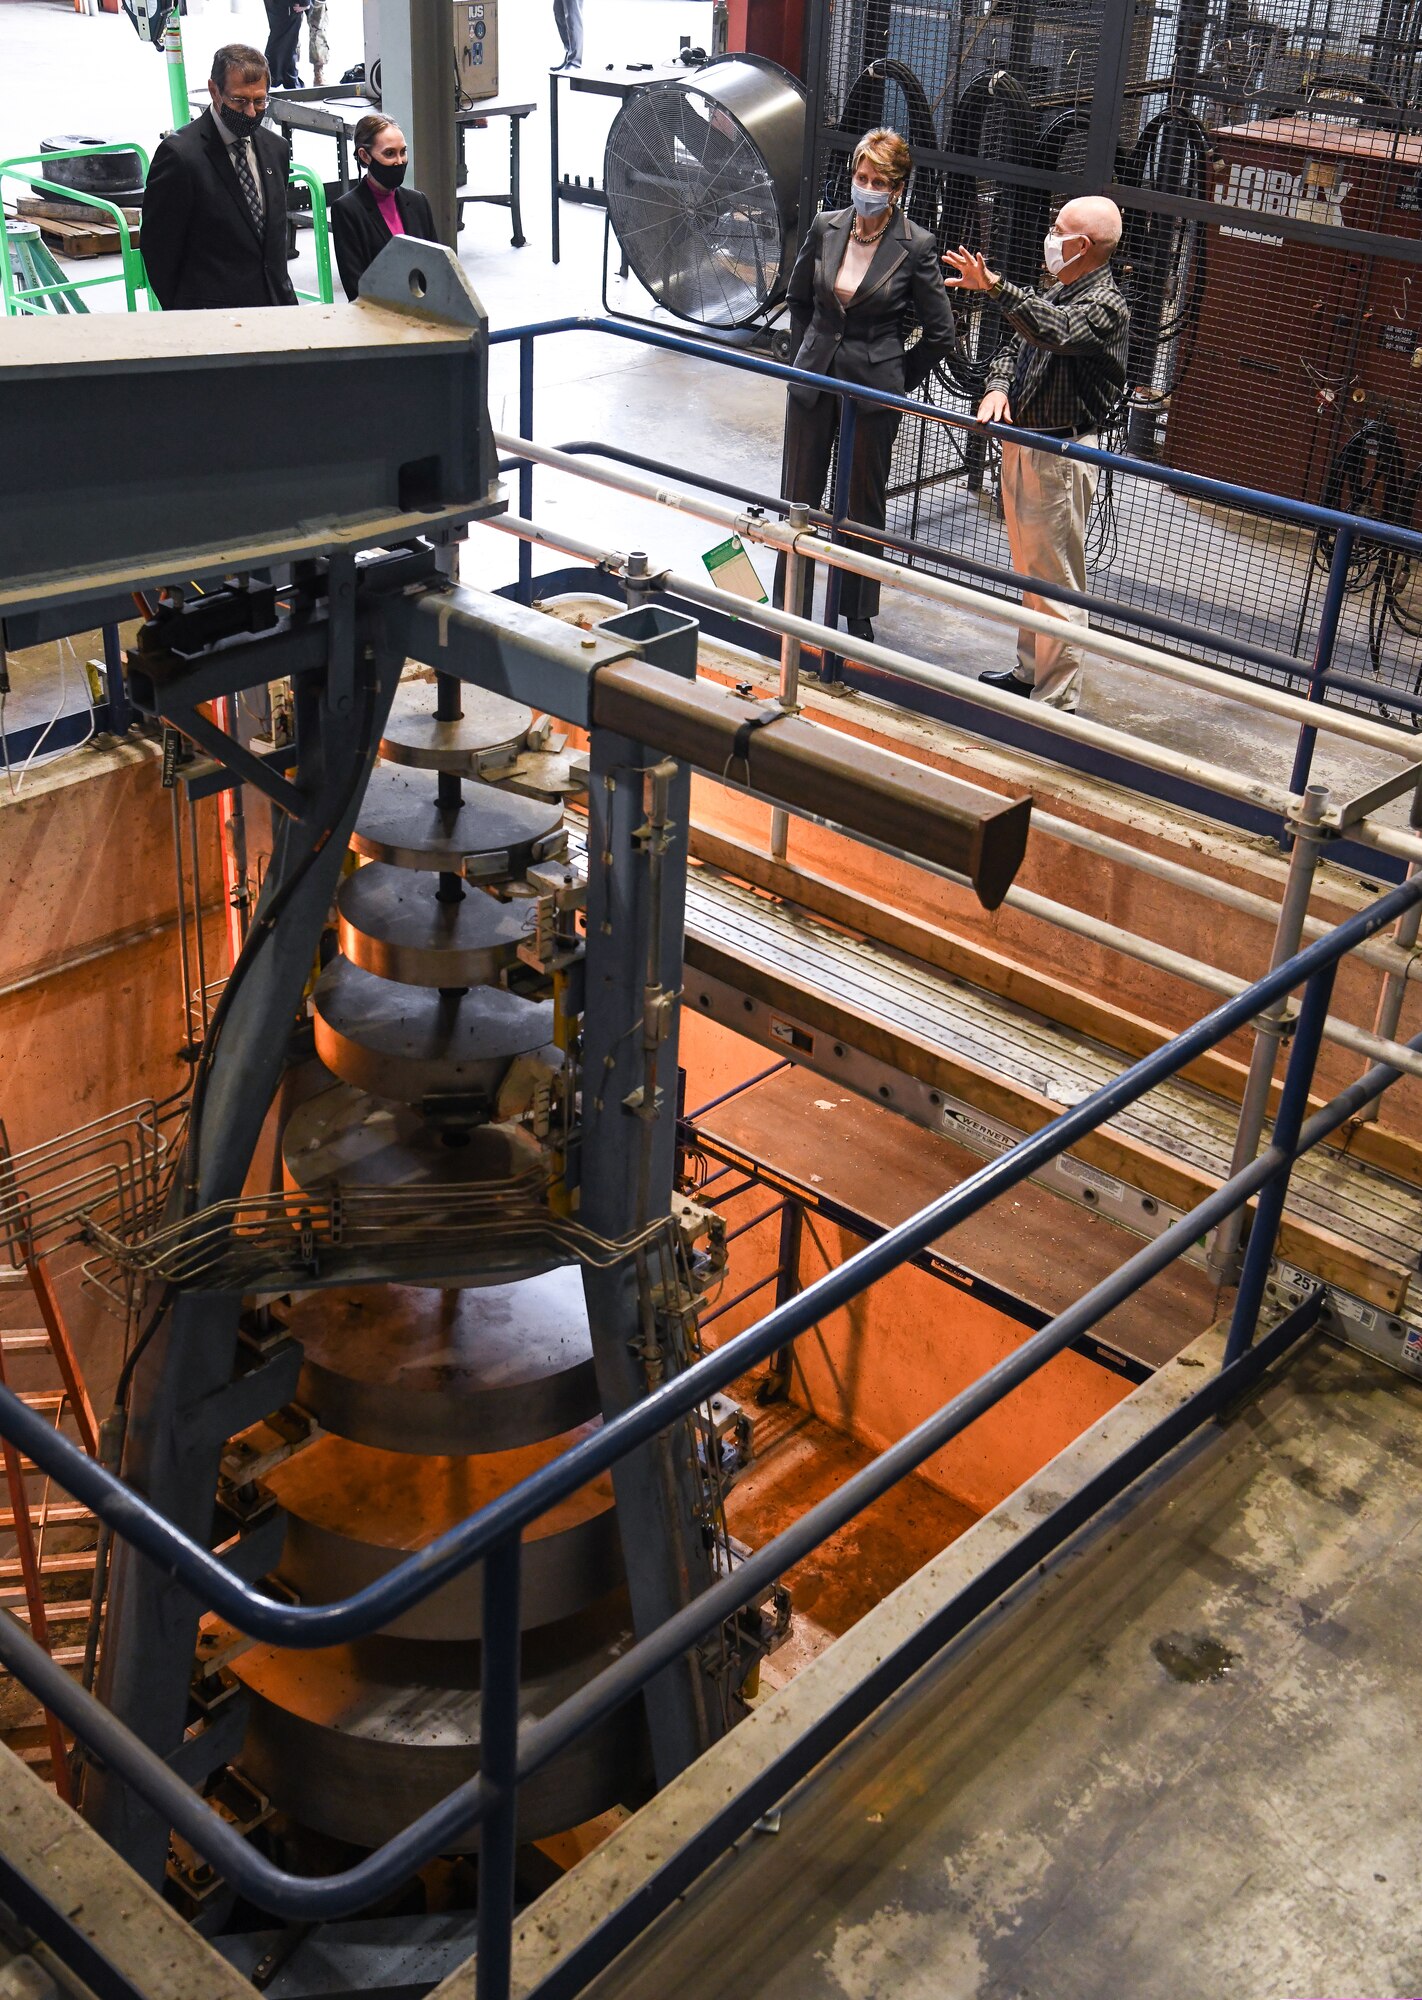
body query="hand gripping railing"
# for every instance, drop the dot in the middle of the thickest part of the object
(493, 1534)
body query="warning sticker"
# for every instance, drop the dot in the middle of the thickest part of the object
(1092, 1177)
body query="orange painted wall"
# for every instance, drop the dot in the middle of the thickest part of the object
(888, 1361)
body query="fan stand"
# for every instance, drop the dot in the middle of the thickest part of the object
(760, 331)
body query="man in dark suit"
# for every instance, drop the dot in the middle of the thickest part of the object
(379, 206)
(214, 209)
(284, 19)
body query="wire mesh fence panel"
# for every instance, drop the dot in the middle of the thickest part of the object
(1268, 162)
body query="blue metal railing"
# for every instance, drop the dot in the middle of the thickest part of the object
(1346, 530)
(492, 1535)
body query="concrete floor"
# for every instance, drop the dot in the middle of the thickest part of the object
(64, 72)
(1178, 1766)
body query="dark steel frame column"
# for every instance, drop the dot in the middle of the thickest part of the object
(181, 1414)
(626, 1176)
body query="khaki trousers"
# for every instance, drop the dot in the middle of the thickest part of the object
(1046, 501)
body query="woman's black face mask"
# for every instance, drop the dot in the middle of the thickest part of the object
(385, 175)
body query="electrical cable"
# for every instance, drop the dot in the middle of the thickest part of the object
(996, 95)
(1366, 475)
(863, 107)
(1172, 156)
(993, 91)
(261, 929)
(14, 784)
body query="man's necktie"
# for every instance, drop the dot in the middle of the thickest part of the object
(247, 184)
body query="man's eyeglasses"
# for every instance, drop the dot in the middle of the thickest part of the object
(253, 106)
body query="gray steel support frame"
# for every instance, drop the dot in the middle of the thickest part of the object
(179, 1415)
(76, 404)
(635, 915)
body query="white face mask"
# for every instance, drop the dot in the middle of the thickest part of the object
(1054, 253)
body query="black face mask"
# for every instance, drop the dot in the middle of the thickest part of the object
(241, 124)
(387, 176)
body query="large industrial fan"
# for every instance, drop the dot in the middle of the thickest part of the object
(702, 176)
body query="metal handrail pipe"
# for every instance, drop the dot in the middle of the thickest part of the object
(458, 1548)
(904, 666)
(1162, 958)
(1378, 691)
(215, 1838)
(1385, 957)
(1302, 512)
(979, 604)
(1386, 839)
(338, 1895)
(1114, 608)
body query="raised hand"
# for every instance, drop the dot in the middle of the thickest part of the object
(969, 270)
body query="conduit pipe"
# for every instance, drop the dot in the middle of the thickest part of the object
(1161, 957)
(1076, 728)
(753, 526)
(1389, 958)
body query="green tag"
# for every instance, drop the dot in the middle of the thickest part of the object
(730, 568)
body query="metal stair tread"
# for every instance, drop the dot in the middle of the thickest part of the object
(61, 1513)
(54, 1564)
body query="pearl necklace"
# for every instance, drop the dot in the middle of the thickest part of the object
(863, 239)
(859, 236)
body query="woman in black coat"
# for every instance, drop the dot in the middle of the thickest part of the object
(858, 272)
(378, 206)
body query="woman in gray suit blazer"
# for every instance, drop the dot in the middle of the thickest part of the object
(858, 272)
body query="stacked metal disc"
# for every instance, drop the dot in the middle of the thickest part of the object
(414, 1019)
(434, 1401)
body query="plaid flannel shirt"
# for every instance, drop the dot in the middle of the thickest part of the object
(1066, 368)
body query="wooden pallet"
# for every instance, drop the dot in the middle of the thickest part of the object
(77, 239)
(34, 208)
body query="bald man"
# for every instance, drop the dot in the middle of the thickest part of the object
(1061, 374)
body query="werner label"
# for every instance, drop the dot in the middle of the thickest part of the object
(977, 1132)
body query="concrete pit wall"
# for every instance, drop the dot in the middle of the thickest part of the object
(91, 1014)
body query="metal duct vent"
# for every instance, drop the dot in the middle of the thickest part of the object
(703, 184)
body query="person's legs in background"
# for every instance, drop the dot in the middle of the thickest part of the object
(874, 434)
(1046, 501)
(317, 47)
(284, 32)
(568, 19)
(809, 440)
